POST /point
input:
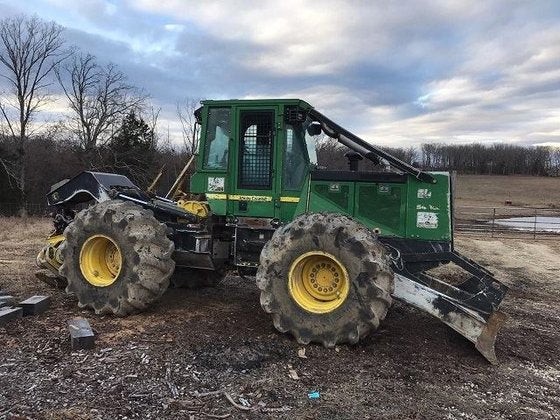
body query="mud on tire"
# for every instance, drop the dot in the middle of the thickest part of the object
(369, 273)
(146, 251)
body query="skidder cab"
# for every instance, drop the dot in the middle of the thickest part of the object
(330, 249)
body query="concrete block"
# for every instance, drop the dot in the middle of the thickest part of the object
(6, 301)
(35, 305)
(81, 334)
(7, 314)
(51, 279)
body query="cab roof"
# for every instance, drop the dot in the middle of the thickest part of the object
(257, 102)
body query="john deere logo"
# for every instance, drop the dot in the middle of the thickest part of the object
(334, 187)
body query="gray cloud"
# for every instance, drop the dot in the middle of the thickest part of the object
(396, 72)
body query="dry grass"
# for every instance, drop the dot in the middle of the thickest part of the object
(486, 190)
(20, 241)
(23, 230)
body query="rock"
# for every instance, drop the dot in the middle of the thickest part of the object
(35, 305)
(51, 279)
(81, 334)
(301, 353)
(6, 301)
(7, 314)
(293, 374)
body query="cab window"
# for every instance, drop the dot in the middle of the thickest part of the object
(295, 162)
(217, 139)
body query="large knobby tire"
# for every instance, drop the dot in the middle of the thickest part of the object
(145, 257)
(195, 278)
(355, 253)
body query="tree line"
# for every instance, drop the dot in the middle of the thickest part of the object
(473, 159)
(111, 125)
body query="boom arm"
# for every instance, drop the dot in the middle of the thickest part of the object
(369, 151)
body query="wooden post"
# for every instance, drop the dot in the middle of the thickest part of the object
(180, 180)
(155, 182)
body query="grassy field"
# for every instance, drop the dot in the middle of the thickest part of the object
(486, 190)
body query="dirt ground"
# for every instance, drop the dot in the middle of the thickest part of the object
(182, 358)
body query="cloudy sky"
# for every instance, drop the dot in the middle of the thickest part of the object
(398, 73)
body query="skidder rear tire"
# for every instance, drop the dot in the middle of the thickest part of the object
(325, 278)
(117, 258)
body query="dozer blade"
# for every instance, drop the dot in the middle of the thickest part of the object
(470, 308)
(467, 322)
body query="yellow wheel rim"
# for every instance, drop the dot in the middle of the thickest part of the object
(100, 260)
(318, 282)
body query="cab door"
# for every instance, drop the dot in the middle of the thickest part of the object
(295, 168)
(254, 192)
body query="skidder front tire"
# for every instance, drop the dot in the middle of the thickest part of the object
(325, 278)
(117, 258)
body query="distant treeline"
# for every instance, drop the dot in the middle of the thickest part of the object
(475, 158)
(493, 159)
(49, 159)
(136, 153)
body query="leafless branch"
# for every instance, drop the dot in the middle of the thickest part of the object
(185, 113)
(98, 96)
(30, 48)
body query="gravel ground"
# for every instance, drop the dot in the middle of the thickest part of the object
(213, 353)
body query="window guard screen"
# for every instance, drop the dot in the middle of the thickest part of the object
(256, 138)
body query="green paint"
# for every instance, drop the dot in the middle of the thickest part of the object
(413, 209)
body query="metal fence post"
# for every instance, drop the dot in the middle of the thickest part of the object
(535, 226)
(493, 221)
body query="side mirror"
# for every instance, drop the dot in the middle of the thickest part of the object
(314, 129)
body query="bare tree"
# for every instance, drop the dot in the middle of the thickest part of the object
(151, 119)
(98, 96)
(556, 161)
(330, 153)
(30, 48)
(185, 112)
